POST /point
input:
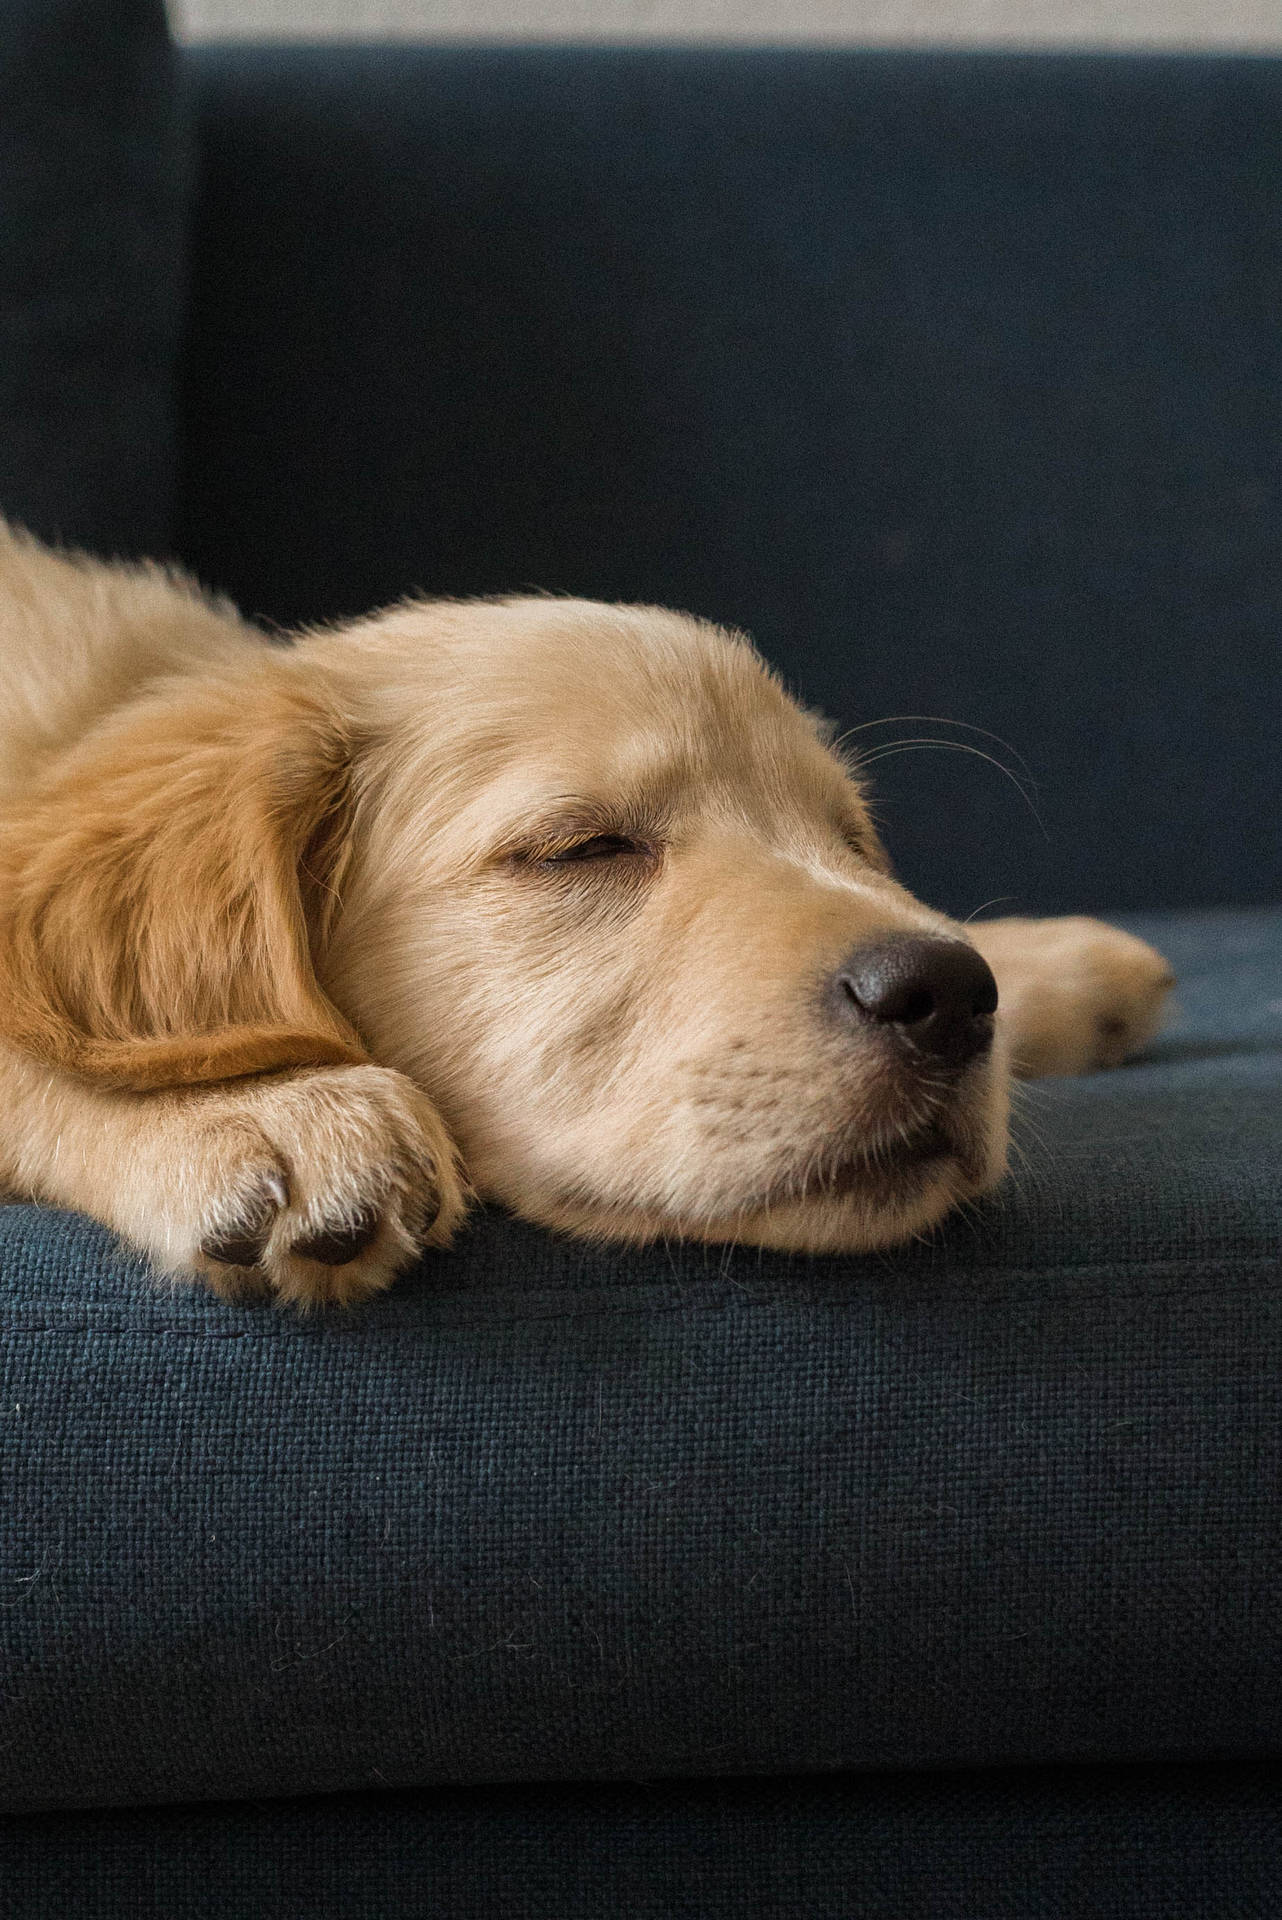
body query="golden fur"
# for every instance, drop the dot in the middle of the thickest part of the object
(532, 896)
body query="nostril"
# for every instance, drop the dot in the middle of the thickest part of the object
(915, 1008)
(903, 1004)
(938, 993)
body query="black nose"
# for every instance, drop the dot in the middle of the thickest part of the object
(937, 994)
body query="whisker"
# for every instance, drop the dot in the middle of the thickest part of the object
(998, 900)
(940, 720)
(893, 748)
(1025, 1173)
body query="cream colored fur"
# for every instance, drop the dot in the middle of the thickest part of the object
(532, 898)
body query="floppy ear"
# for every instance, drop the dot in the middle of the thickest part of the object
(162, 886)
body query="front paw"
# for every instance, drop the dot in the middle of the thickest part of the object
(316, 1188)
(1077, 995)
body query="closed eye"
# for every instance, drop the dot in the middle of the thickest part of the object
(601, 846)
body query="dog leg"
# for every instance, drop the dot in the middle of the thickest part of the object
(1074, 994)
(314, 1186)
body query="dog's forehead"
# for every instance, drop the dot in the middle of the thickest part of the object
(504, 711)
(634, 696)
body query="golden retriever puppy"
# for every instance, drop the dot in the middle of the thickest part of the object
(563, 904)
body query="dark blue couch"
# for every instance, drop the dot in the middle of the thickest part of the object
(688, 1581)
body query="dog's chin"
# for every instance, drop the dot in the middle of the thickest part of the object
(852, 1216)
(855, 1205)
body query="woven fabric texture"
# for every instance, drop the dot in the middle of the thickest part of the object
(550, 1511)
(94, 193)
(1108, 1844)
(953, 379)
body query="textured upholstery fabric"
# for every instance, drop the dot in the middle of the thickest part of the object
(545, 1511)
(93, 204)
(953, 378)
(1130, 1844)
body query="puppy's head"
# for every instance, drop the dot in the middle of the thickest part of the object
(612, 898)
(585, 873)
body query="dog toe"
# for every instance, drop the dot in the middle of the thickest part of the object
(241, 1239)
(340, 1240)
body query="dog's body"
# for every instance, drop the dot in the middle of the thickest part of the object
(566, 903)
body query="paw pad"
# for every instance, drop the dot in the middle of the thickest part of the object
(337, 1241)
(243, 1241)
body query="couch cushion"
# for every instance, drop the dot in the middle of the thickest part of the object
(547, 1510)
(93, 189)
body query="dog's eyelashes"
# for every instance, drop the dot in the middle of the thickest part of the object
(601, 846)
(558, 850)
